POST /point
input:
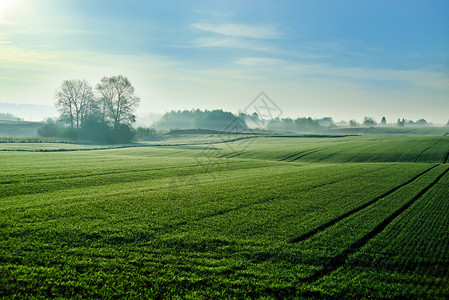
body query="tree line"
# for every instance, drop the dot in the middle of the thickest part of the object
(208, 119)
(103, 115)
(298, 124)
(9, 117)
(368, 121)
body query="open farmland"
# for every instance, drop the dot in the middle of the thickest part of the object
(264, 216)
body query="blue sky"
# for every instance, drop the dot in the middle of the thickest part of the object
(345, 59)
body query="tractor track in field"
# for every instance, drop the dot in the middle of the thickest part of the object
(290, 156)
(32, 179)
(357, 209)
(229, 210)
(99, 175)
(38, 178)
(298, 155)
(230, 155)
(447, 158)
(340, 260)
(422, 152)
(225, 211)
(311, 152)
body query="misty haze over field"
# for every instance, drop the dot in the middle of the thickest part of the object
(29, 112)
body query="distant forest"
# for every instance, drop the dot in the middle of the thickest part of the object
(299, 124)
(225, 121)
(9, 117)
(209, 119)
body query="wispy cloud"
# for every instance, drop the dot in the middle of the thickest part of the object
(230, 42)
(415, 77)
(240, 30)
(258, 61)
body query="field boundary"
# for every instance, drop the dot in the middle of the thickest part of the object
(339, 260)
(357, 209)
(119, 146)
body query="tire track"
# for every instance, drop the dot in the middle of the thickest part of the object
(422, 152)
(339, 260)
(38, 178)
(167, 227)
(290, 156)
(151, 173)
(357, 209)
(228, 210)
(301, 154)
(230, 155)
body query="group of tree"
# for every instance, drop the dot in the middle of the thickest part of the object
(104, 115)
(253, 120)
(404, 122)
(9, 117)
(299, 124)
(368, 121)
(208, 119)
(226, 121)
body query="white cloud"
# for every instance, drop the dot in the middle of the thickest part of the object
(240, 30)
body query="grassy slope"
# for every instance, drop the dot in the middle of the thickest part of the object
(225, 219)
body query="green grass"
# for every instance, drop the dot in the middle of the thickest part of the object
(262, 217)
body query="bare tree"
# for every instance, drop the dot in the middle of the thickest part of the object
(65, 96)
(74, 98)
(118, 100)
(86, 101)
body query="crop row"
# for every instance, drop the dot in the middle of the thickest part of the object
(410, 257)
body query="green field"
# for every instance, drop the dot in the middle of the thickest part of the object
(206, 217)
